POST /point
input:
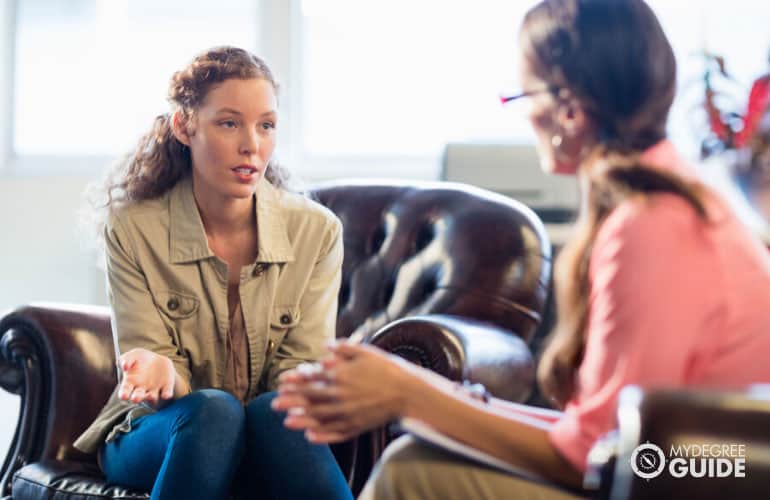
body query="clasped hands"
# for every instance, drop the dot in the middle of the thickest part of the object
(358, 387)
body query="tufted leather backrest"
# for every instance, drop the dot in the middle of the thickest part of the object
(420, 248)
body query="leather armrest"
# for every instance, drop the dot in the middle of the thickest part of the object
(47, 351)
(461, 348)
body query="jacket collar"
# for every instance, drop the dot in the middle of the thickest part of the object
(187, 237)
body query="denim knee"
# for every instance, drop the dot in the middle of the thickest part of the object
(276, 453)
(213, 411)
(261, 418)
(259, 407)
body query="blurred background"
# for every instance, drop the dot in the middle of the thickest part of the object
(368, 88)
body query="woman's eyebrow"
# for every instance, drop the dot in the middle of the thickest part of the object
(229, 110)
(236, 112)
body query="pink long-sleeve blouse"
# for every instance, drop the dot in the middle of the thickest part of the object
(674, 302)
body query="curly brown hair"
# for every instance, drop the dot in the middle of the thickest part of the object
(160, 160)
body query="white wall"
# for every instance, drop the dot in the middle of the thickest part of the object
(42, 256)
(8, 403)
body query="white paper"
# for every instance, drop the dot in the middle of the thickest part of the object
(430, 435)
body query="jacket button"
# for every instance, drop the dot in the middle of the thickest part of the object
(173, 304)
(259, 269)
(285, 319)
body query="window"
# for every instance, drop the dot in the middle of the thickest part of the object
(393, 81)
(387, 84)
(416, 73)
(91, 75)
(369, 87)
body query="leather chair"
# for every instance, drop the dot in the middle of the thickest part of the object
(684, 418)
(451, 277)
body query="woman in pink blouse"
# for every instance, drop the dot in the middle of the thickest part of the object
(661, 285)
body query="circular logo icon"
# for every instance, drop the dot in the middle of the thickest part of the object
(648, 461)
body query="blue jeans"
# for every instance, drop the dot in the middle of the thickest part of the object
(207, 445)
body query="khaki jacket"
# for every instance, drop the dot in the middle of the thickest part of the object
(168, 292)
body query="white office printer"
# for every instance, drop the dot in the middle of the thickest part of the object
(513, 170)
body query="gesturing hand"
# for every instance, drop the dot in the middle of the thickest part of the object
(147, 376)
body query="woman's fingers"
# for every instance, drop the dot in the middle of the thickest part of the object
(137, 392)
(347, 350)
(138, 395)
(325, 411)
(286, 401)
(125, 390)
(151, 397)
(167, 391)
(315, 390)
(318, 437)
(306, 422)
(127, 362)
(319, 391)
(337, 425)
(300, 422)
(305, 372)
(331, 361)
(291, 377)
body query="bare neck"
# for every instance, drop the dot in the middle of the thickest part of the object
(224, 217)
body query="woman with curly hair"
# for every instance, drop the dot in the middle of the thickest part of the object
(219, 279)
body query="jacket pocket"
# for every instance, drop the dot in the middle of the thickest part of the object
(179, 312)
(282, 319)
(177, 305)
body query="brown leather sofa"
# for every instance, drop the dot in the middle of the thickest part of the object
(448, 276)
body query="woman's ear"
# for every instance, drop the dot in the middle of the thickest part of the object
(180, 128)
(571, 117)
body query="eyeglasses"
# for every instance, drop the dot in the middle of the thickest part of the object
(505, 99)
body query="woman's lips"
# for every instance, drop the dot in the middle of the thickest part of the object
(244, 173)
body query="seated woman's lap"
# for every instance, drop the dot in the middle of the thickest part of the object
(208, 437)
(281, 463)
(412, 470)
(197, 438)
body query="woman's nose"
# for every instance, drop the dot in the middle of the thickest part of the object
(249, 143)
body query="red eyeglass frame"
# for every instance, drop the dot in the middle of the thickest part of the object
(505, 99)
